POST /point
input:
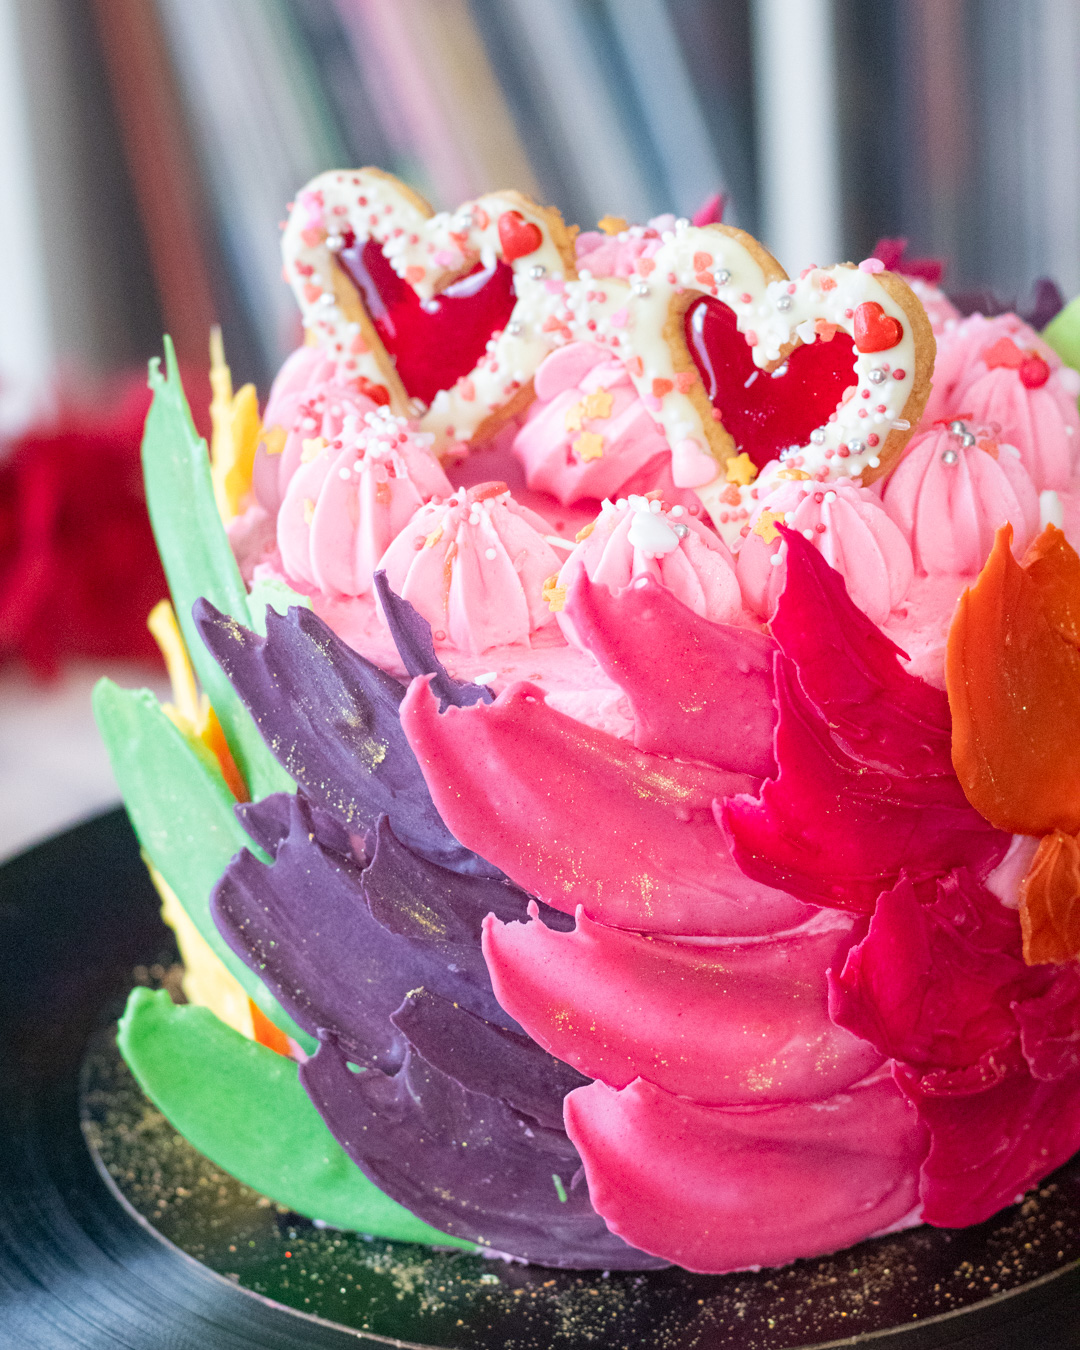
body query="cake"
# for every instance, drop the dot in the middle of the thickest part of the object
(630, 813)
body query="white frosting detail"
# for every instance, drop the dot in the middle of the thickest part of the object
(649, 532)
(1051, 511)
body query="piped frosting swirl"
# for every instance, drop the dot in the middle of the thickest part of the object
(475, 566)
(350, 496)
(847, 525)
(641, 536)
(952, 490)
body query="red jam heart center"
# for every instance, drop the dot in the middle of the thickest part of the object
(432, 344)
(765, 413)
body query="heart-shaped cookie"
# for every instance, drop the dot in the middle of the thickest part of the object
(854, 410)
(501, 262)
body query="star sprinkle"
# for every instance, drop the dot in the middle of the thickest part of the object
(589, 445)
(767, 523)
(612, 224)
(598, 404)
(740, 469)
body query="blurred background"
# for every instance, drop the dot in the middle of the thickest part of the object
(148, 149)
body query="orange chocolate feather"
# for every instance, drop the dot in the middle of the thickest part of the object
(1014, 691)
(1050, 902)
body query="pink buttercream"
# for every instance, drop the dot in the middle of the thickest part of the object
(616, 255)
(851, 530)
(349, 500)
(976, 378)
(958, 349)
(1042, 422)
(582, 393)
(940, 310)
(475, 566)
(950, 493)
(304, 402)
(642, 537)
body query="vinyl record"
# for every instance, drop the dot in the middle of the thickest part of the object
(80, 1266)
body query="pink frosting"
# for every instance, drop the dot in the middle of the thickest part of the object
(616, 255)
(475, 567)
(642, 537)
(304, 402)
(848, 526)
(958, 349)
(583, 393)
(1042, 422)
(940, 310)
(345, 505)
(949, 498)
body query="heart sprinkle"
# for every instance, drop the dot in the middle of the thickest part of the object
(876, 331)
(518, 236)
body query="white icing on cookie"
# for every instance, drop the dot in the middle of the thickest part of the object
(428, 251)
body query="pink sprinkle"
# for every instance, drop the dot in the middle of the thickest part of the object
(618, 319)
(871, 265)
(554, 285)
(445, 257)
(651, 401)
(899, 374)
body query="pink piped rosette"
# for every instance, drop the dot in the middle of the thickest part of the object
(589, 434)
(998, 372)
(641, 536)
(350, 497)
(954, 487)
(475, 565)
(846, 524)
(305, 401)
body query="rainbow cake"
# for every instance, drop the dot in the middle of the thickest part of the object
(630, 812)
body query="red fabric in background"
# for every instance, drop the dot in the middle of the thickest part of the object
(79, 571)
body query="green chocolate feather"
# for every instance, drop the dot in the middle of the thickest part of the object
(198, 561)
(182, 812)
(243, 1106)
(1063, 333)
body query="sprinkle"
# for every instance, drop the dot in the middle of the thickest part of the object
(740, 469)
(597, 404)
(871, 265)
(554, 594)
(589, 445)
(612, 224)
(491, 554)
(766, 525)
(572, 418)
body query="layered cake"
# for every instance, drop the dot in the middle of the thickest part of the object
(629, 815)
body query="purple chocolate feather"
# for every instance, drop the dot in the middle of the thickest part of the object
(495, 1173)
(304, 926)
(268, 822)
(488, 1059)
(330, 718)
(412, 637)
(418, 899)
